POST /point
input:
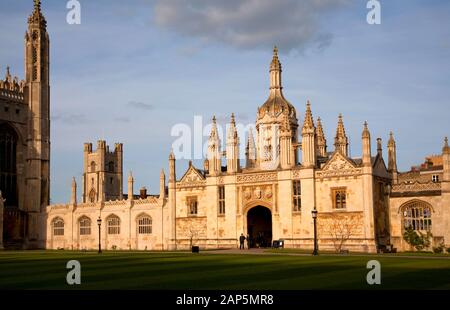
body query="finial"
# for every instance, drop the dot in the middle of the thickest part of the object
(171, 155)
(214, 119)
(7, 71)
(340, 116)
(365, 125)
(233, 121)
(308, 104)
(37, 5)
(446, 141)
(275, 51)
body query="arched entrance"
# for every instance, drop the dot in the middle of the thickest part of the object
(259, 227)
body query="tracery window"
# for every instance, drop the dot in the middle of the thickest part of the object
(192, 205)
(145, 225)
(221, 199)
(85, 226)
(417, 215)
(58, 227)
(113, 223)
(339, 196)
(297, 198)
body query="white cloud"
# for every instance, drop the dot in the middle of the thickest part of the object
(249, 24)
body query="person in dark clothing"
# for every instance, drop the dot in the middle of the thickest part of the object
(241, 242)
(248, 242)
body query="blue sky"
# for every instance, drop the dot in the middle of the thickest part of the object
(133, 69)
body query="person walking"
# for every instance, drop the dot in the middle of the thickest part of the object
(241, 242)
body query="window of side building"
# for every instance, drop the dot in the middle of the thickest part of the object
(435, 178)
(221, 190)
(297, 198)
(339, 197)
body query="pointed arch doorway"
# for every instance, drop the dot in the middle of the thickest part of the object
(259, 227)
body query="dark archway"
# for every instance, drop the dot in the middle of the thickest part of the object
(8, 170)
(259, 227)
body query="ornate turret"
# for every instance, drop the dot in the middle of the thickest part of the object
(214, 155)
(321, 140)
(341, 140)
(309, 139)
(232, 147)
(276, 104)
(276, 125)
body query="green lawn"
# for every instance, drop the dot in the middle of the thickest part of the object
(153, 270)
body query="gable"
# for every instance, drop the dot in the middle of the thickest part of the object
(192, 176)
(338, 162)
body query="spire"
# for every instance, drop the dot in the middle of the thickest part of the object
(162, 184)
(391, 142)
(171, 155)
(232, 132)
(275, 71)
(232, 148)
(366, 133)
(309, 143)
(341, 140)
(8, 74)
(392, 157)
(446, 148)
(214, 155)
(321, 140)
(250, 151)
(130, 185)
(213, 133)
(36, 17)
(366, 147)
(37, 6)
(73, 199)
(309, 122)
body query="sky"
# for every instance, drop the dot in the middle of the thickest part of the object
(134, 69)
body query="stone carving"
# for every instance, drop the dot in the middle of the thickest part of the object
(296, 174)
(416, 187)
(257, 177)
(258, 193)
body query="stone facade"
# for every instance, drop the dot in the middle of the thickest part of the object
(362, 204)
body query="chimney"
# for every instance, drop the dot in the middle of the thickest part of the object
(143, 193)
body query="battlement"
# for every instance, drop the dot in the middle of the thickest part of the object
(11, 87)
(101, 145)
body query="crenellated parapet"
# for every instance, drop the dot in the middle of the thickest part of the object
(11, 87)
